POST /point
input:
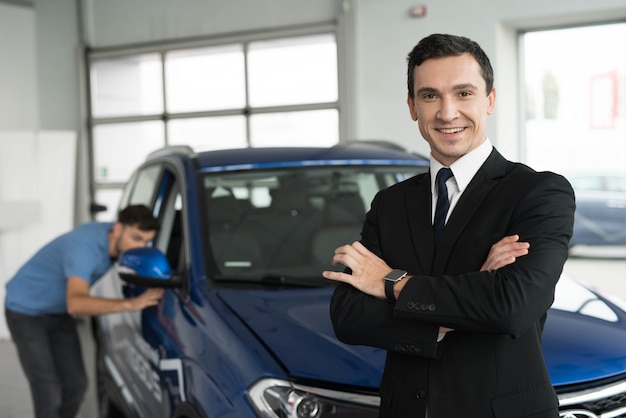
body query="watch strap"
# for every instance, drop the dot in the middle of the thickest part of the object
(391, 297)
(391, 279)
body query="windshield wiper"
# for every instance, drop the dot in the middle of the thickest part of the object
(282, 280)
(277, 280)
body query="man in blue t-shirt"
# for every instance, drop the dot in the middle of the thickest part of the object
(54, 285)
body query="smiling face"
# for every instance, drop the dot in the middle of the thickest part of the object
(451, 105)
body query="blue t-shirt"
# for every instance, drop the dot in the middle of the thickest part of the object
(39, 287)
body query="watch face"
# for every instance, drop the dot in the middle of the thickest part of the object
(395, 275)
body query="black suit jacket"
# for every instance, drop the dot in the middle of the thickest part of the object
(492, 364)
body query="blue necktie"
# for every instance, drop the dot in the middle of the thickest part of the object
(443, 203)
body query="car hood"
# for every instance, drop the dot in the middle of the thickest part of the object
(295, 326)
(584, 337)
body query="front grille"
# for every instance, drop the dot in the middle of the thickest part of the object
(605, 398)
(603, 405)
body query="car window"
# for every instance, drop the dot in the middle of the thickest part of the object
(169, 210)
(282, 226)
(145, 186)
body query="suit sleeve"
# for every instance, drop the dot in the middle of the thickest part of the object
(511, 299)
(361, 319)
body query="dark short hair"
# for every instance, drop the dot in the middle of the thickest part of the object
(139, 216)
(442, 45)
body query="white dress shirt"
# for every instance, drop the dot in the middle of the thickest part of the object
(463, 170)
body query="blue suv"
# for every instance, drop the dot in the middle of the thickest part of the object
(244, 329)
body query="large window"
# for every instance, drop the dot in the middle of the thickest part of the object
(575, 123)
(231, 94)
(575, 97)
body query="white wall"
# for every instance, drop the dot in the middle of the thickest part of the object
(18, 113)
(18, 83)
(36, 168)
(36, 198)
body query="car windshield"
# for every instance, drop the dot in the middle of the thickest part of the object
(282, 226)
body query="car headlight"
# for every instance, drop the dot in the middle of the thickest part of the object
(277, 398)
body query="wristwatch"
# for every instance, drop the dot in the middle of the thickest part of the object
(391, 279)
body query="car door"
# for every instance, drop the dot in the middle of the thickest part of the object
(138, 343)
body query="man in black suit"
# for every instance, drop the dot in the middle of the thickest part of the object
(463, 336)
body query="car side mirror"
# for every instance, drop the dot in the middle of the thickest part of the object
(147, 267)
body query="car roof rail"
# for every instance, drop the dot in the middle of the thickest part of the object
(170, 149)
(390, 145)
(377, 142)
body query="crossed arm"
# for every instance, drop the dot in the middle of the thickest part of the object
(368, 270)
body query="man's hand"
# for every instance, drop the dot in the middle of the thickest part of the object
(150, 297)
(368, 270)
(505, 252)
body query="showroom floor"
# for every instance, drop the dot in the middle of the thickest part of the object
(608, 275)
(14, 395)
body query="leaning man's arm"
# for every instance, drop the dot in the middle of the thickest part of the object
(80, 302)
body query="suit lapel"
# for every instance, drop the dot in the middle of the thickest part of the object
(465, 209)
(418, 206)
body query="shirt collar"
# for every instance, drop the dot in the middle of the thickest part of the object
(465, 167)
